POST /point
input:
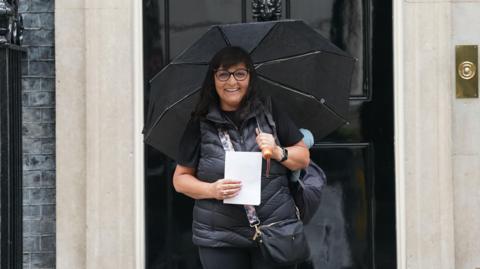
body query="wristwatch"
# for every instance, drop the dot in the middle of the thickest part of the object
(284, 154)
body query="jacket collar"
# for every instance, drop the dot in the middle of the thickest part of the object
(215, 115)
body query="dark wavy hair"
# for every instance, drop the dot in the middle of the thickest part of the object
(226, 58)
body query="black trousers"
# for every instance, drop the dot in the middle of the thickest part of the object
(236, 258)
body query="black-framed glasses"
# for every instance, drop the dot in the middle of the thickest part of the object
(224, 75)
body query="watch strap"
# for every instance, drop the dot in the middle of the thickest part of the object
(284, 154)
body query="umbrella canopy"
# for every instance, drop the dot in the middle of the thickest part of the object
(302, 71)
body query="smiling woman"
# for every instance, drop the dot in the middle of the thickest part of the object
(228, 101)
(356, 227)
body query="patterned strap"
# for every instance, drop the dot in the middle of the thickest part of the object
(225, 139)
(228, 146)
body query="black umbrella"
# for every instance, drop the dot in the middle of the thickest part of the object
(302, 71)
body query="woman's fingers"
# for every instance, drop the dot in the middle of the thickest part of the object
(230, 184)
(265, 140)
(267, 144)
(230, 181)
(227, 188)
(230, 193)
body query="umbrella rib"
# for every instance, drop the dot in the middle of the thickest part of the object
(263, 38)
(285, 86)
(225, 37)
(321, 101)
(190, 63)
(288, 58)
(172, 63)
(166, 110)
(259, 64)
(331, 110)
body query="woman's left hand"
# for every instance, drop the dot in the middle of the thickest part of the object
(298, 154)
(265, 141)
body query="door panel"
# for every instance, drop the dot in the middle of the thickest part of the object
(186, 27)
(343, 22)
(340, 232)
(355, 226)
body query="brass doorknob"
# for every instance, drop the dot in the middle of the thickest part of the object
(467, 70)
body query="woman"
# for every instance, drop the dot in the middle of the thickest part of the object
(228, 99)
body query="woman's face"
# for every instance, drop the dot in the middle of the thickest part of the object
(233, 89)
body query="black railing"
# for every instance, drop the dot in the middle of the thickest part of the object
(11, 164)
(11, 156)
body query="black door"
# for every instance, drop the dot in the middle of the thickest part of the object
(355, 226)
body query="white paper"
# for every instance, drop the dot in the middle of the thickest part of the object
(247, 168)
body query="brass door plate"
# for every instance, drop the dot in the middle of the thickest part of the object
(466, 71)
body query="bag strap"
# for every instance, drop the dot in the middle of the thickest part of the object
(268, 111)
(225, 139)
(249, 209)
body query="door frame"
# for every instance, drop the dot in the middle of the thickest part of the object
(140, 252)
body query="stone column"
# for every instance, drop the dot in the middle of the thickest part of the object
(70, 134)
(423, 134)
(99, 142)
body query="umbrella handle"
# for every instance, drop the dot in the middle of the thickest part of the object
(266, 153)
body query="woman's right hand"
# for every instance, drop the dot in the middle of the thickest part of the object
(225, 188)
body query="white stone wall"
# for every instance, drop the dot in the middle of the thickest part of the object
(70, 133)
(466, 147)
(98, 126)
(437, 147)
(423, 92)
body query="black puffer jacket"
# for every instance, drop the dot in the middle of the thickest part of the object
(223, 225)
